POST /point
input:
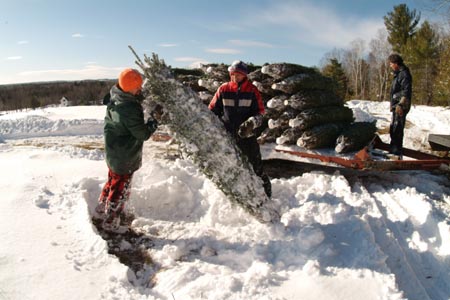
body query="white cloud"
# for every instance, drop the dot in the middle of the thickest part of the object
(243, 43)
(316, 25)
(186, 59)
(88, 72)
(167, 45)
(14, 58)
(77, 35)
(194, 62)
(22, 42)
(222, 51)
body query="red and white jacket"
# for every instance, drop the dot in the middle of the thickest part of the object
(235, 103)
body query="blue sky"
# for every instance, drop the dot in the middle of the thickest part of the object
(46, 40)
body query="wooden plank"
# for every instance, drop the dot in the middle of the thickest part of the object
(281, 168)
(378, 144)
(439, 142)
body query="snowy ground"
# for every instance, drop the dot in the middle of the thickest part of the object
(382, 237)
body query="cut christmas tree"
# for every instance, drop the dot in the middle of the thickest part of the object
(205, 140)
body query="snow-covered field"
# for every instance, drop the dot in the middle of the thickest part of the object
(385, 237)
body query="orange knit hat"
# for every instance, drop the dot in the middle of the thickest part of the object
(130, 79)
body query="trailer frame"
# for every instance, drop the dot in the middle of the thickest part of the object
(375, 156)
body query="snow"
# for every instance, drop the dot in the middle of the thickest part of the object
(385, 237)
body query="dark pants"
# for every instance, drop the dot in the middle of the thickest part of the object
(115, 193)
(396, 132)
(250, 148)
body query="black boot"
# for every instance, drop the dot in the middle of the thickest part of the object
(267, 185)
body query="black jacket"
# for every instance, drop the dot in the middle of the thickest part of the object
(236, 103)
(401, 87)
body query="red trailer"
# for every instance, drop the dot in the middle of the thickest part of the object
(375, 156)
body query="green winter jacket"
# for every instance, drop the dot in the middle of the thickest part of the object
(125, 132)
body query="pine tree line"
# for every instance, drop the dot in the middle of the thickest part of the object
(33, 95)
(363, 72)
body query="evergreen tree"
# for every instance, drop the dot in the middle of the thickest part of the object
(442, 81)
(401, 25)
(423, 62)
(335, 71)
(35, 103)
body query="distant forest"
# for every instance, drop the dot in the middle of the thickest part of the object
(33, 95)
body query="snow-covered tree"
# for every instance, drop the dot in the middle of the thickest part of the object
(205, 140)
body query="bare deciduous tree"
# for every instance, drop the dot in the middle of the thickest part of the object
(379, 66)
(356, 66)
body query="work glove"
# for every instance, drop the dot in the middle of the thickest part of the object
(139, 96)
(157, 112)
(405, 103)
(394, 100)
(399, 110)
(246, 128)
(152, 125)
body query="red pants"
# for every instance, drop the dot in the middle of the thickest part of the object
(115, 193)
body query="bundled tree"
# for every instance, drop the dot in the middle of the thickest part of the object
(283, 119)
(313, 98)
(290, 136)
(277, 102)
(265, 89)
(284, 70)
(322, 136)
(355, 136)
(270, 135)
(312, 117)
(302, 81)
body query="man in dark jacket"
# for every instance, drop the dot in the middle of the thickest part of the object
(124, 132)
(401, 91)
(238, 103)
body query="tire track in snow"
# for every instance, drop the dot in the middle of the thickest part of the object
(403, 238)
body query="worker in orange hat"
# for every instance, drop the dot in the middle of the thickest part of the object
(125, 131)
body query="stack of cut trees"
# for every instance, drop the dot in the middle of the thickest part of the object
(302, 106)
(306, 111)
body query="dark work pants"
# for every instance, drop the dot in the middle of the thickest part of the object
(250, 148)
(396, 132)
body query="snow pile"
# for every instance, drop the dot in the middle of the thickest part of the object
(44, 123)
